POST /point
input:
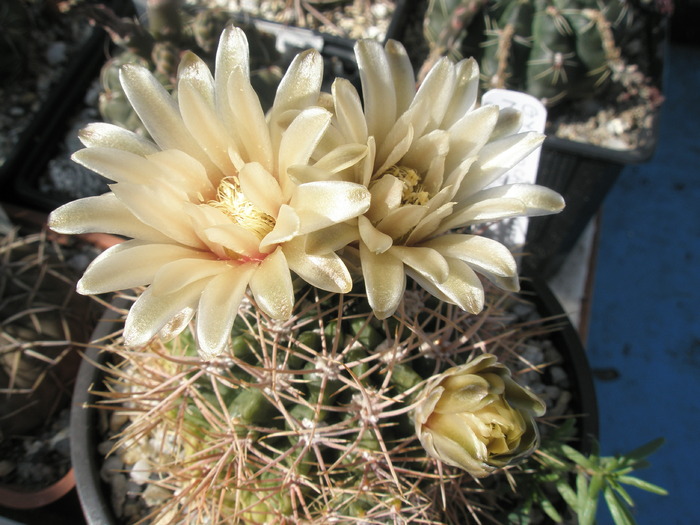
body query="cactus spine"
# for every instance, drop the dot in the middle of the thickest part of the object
(552, 49)
(305, 421)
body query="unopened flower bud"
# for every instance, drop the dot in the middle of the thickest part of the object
(476, 417)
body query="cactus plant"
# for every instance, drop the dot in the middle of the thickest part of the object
(172, 28)
(305, 421)
(552, 49)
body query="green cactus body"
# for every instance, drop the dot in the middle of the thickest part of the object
(552, 49)
(308, 421)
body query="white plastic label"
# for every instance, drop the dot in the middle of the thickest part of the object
(512, 232)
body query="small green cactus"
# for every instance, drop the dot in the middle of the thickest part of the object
(553, 49)
(172, 29)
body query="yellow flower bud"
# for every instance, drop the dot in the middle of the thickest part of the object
(476, 417)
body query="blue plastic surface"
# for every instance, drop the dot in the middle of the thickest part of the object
(645, 320)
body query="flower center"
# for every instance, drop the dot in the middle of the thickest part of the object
(413, 192)
(231, 201)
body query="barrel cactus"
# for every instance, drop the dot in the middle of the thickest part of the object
(312, 420)
(553, 49)
(307, 271)
(172, 28)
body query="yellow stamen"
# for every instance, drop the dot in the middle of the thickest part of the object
(231, 201)
(413, 192)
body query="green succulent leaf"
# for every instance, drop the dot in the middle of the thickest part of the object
(618, 510)
(641, 484)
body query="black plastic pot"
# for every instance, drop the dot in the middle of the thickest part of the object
(94, 495)
(584, 173)
(41, 141)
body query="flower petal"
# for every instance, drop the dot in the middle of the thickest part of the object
(462, 286)
(102, 134)
(261, 188)
(271, 285)
(114, 164)
(537, 200)
(386, 196)
(465, 92)
(250, 119)
(299, 142)
(470, 134)
(196, 100)
(483, 211)
(400, 221)
(150, 313)
(385, 281)
(325, 271)
(159, 112)
(147, 204)
(376, 241)
(176, 275)
(131, 264)
(486, 256)
(287, 226)
(435, 93)
(342, 157)
(426, 261)
(321, 204)
(402, 75)
(377, 88)
(103, 213)
(497, 157)
(331, 239)
(348, 111)
(218, 308)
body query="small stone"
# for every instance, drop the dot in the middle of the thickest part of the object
(56, 53)
(118, 484)
(154, 495)
(559, 376)
(6, 467)
(141, 471)
(111, 468)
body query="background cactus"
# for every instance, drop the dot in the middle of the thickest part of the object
(41, 318)
(171, 28)
(553, 49)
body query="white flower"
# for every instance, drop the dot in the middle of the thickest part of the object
(211, 205)
(430, 155)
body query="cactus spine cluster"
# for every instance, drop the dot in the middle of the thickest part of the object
(306, 421)
(41, 316)
(552, 49)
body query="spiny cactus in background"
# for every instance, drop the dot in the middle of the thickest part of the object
(552, 49)
(445, 26)
(41, 316)
(307, 420)
(171, 29)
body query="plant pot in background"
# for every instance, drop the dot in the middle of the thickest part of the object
(43, 323)
(39, 142)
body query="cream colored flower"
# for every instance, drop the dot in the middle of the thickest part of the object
(477, 418)
(210, 204)
(431, 155)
